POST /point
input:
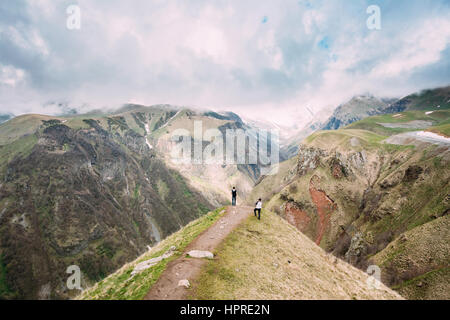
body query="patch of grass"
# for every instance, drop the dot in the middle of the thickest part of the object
(391, 148)
(121, 285)
(19, 148)
(136, 195)
(443, 130)
(437, 162)
(421, 277)
(66, 147)
(368, 140)
(4, 290)
(432, 285)
(184, 186)
(414, 254)
(21, 126)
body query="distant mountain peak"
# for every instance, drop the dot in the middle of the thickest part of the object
(5, 117)
(355, 109)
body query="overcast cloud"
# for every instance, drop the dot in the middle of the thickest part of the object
(255, 57)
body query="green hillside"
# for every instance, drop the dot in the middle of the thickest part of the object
(355, 195)
(437, 120)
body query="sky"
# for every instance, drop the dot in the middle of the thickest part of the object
(281, 61)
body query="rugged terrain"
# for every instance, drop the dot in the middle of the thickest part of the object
(359, 107)
(372, 197)
(363, 106)
(95, 190)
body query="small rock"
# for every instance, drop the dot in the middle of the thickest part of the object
(184, 283)
(173, 248)
(420, 284)
(275, 265)
(201, 254)
(221, 227)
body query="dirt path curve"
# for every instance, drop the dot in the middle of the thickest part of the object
(166, 288)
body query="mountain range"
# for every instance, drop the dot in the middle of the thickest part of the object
(97, 189)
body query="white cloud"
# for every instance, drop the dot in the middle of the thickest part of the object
(421, 47)
(219, 54)
(10, 76)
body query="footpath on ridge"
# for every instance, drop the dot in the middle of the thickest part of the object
(188, 268)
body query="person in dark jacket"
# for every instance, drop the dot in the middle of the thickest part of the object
(258, 207)
(233, 196)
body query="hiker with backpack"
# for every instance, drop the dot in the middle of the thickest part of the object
(233, 196)
(258, 207)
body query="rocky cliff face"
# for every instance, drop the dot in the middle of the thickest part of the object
(94, 196)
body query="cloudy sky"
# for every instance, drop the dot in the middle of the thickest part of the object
(264, 59)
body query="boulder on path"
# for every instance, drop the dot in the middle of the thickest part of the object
(201, 254)
(184, 283)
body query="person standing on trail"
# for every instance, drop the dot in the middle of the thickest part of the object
(258, 207)
(233, 196)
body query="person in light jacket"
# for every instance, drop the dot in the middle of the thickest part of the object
(258, 207)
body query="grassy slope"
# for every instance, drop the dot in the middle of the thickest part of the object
(4, 290)
(270, 259)
(410, 206)
(341, 140)
(430, 99)
(428, 240)
(372, 123)
(122, 286)
(442, 129)
(20, 147)
(21, 126)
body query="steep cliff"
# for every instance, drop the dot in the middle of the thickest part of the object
(83, 191)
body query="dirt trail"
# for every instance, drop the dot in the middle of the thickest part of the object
(166, 288)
